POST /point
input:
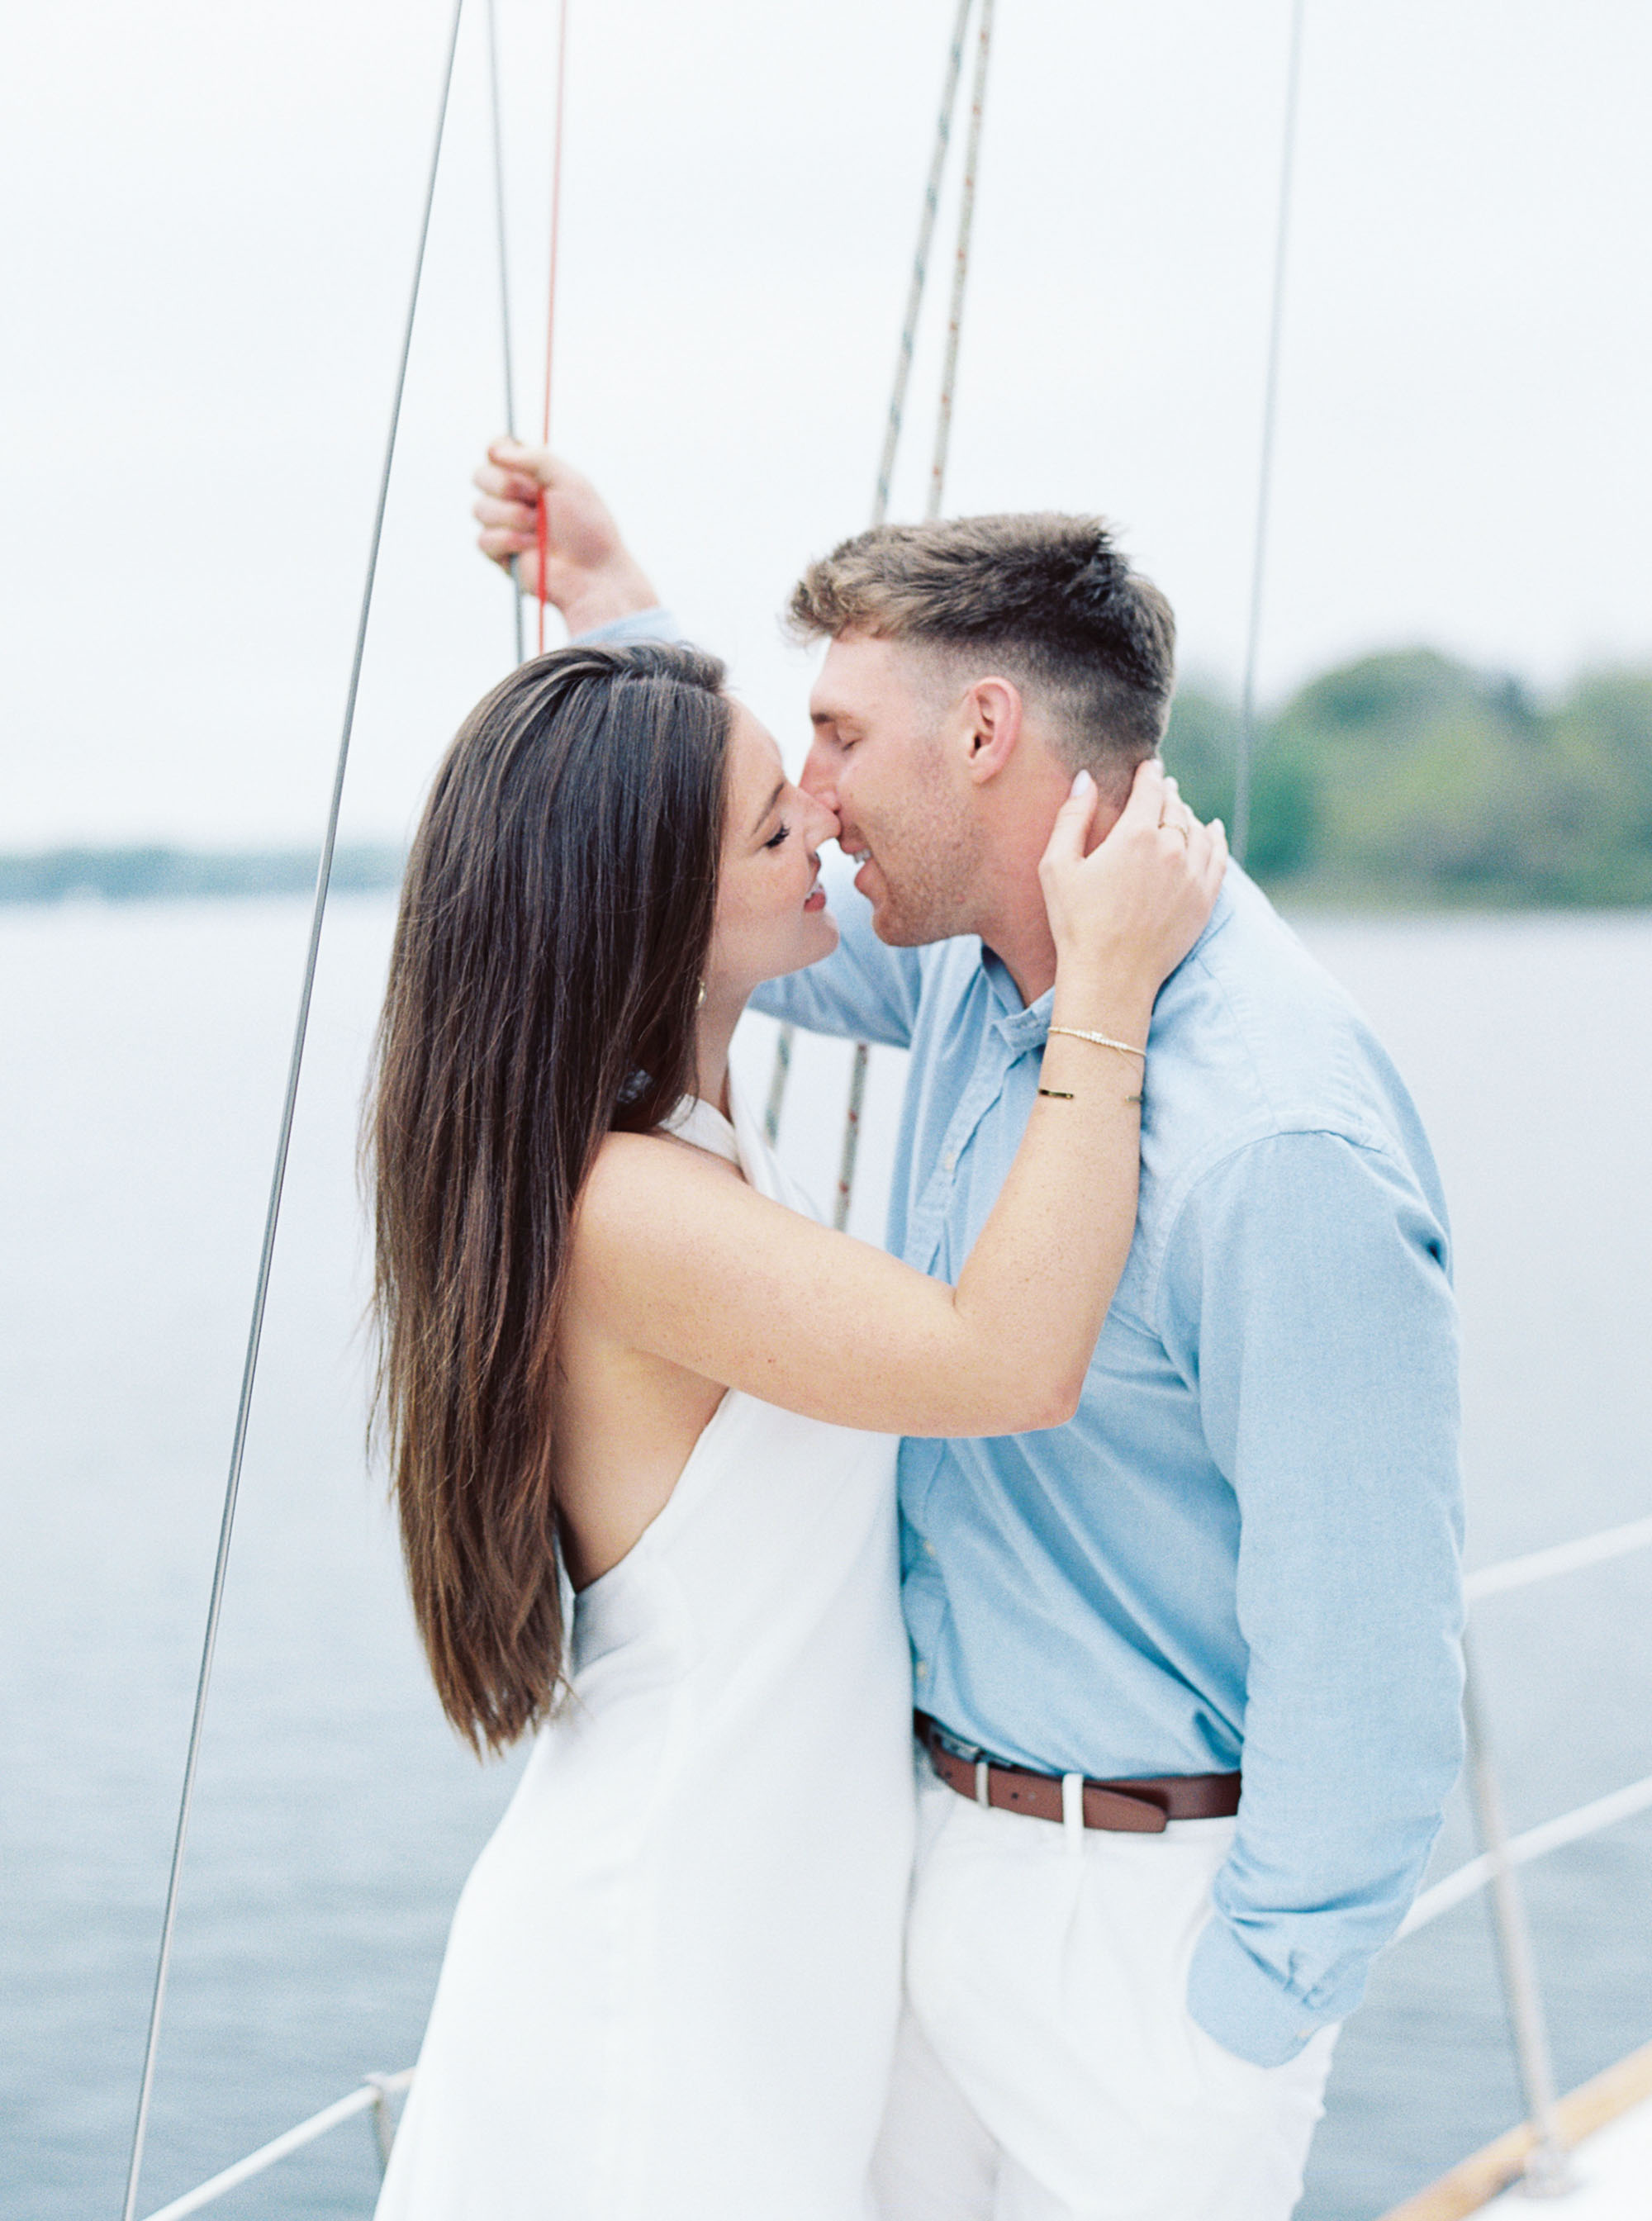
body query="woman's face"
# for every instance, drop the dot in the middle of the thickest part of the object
(772, 916)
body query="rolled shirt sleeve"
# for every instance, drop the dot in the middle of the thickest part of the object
(633, 629)
(1306, 1296)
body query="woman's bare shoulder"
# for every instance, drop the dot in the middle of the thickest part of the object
(622, 1159)
(639, 1186)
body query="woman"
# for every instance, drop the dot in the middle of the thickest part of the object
(642, 1412)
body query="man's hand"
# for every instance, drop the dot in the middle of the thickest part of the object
(590, 576)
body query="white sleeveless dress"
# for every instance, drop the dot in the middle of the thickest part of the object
(670, 1989)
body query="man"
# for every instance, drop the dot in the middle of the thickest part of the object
(1125, 1977)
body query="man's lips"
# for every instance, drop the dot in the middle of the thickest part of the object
(853, 844)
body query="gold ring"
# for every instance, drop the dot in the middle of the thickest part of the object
(1165, 826)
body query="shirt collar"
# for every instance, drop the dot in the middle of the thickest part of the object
(1026, 1027)
(1019, 1027)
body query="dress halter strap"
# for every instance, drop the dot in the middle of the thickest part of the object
(705, 1127)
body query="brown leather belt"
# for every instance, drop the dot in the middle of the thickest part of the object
(1132, 1808)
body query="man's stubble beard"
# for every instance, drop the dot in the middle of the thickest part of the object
(934, 893)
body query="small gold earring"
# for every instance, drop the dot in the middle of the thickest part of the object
(700, 998)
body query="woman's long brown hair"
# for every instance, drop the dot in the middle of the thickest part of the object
(555, 920)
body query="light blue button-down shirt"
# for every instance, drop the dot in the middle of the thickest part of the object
(1243, 1548)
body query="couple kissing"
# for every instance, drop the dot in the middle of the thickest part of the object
(990, 1698)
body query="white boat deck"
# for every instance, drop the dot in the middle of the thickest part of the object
(1607, 2126)
(1612, 2170)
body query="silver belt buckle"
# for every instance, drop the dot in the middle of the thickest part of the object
(971, 1754)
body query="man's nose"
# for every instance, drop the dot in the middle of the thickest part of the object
(818, 777)
(827, 825)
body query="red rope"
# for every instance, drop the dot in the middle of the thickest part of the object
(543, 518)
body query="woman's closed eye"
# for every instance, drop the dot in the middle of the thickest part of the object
(782, 832)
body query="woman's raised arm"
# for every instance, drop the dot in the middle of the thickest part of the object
(675, 1257)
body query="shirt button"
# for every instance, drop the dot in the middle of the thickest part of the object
(950, 1163)
(921, 1670)
(929, 1549)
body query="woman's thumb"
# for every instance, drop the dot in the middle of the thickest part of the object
(1073, 820)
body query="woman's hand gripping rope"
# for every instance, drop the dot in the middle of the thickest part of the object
(590, 575)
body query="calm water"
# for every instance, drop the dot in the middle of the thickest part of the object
(144, 1052)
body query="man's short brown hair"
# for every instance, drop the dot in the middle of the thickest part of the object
(1047, 598)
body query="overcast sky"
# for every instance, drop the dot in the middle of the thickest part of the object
(212, 216)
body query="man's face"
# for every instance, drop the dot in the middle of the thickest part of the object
(889, 756)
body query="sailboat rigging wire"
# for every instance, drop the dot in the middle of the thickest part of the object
(960, 265)
(504, 275)
(1241, 830)
(278, 1177)
(915, 291)
(861, 1061)
(544, 522)
(367, 2097)
(1597, 1550)
(920, 262)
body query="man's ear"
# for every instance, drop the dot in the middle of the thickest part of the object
(992, 712)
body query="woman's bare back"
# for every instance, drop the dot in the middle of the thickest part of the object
(625, 1423)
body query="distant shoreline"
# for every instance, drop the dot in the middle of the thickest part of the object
(1401, 782)
(155, 873)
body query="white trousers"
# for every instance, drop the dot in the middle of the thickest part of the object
(1048, 2069)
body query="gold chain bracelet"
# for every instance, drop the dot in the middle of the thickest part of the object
(1101, 1041)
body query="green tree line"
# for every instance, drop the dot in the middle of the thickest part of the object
(1399, 779)
(1408, 777)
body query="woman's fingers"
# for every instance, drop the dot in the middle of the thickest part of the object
(1072, 821)
(1147, 802)
(503, 515)
(1139, 900)
(538, 464)
(537, 467)
(1176, 816)
(1204, 847)
(1155, 805)
(1217, 862)
(505, 548)
(505, 486)
(507, 508)
(508, 513)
